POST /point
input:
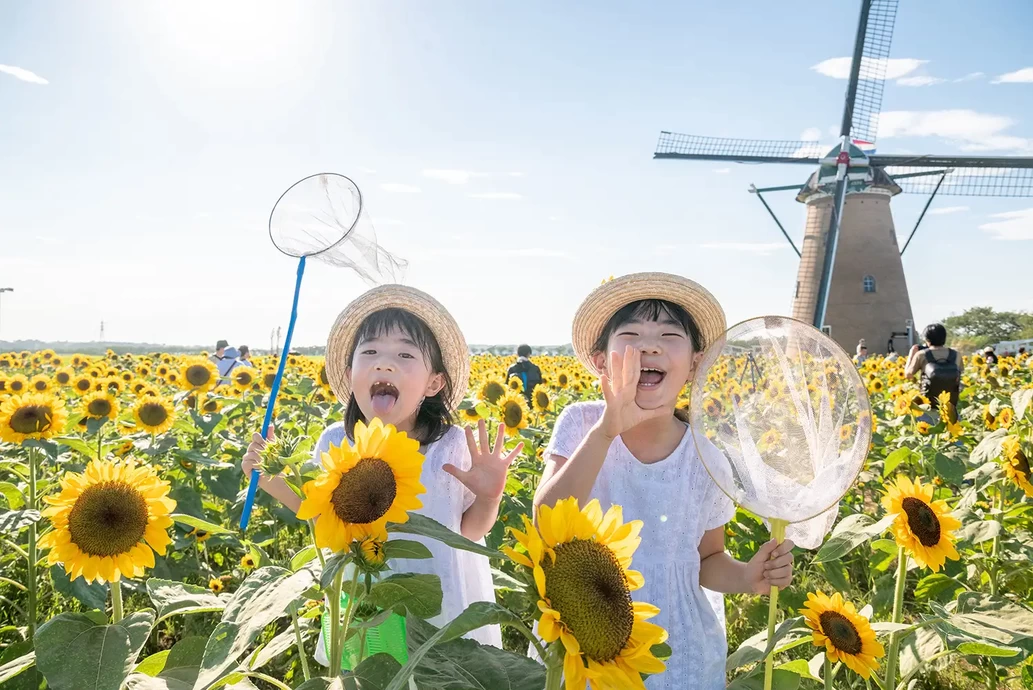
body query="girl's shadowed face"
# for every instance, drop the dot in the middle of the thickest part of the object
(390, 376)
(668, 360)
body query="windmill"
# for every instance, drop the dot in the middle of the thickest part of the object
(851, 282)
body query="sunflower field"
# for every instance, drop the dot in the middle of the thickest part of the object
(122, 564)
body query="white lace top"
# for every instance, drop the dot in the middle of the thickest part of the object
(677, 502)
(465, 577)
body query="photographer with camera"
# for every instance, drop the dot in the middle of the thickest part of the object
(940, 366)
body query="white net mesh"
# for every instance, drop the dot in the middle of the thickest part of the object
(324, 217)
(790, 415)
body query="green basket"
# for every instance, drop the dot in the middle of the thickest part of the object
(388, 637)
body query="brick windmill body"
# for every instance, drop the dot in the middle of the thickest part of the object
(850, 281)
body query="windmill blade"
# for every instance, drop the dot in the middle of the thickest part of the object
(865, 101)
(932, 161)
(692, 147)
(968, 181)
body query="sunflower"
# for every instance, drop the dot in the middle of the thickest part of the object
(17, 384)
(268, 376)
(83, 384)
(923, 428)
(540, 399)
(1005, 417)
(364, 486)
(563, 379)
(31, 416)
(1016, 464)
(491, 391)
(107, 520)
(923, 526)
(154, 414)
(580, 560)
(39, 383)
(112, 383)
(198, 374)
(876, 386)
(63, 377)
(844, 633)
(371, 554)
(470, 415)
(516, 384)
(216, 585)
(201, 535)
(513, 409)
(989, 419)
(99, 405)
(247, 561)
(242, 379)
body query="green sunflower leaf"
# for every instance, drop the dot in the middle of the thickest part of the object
(424, 526)
(419, 595)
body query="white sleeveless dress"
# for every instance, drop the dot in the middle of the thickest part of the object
(465, 577)
(677, 501)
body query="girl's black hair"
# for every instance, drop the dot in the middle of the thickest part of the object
(433, 418)
(652, 310)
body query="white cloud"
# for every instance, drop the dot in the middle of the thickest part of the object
(474, 252)
(452, 176)
(1021, 76)
(722, 171)
(1015, 225)
(400, 188)
(967, 129)
(894, 68)
(970, 76)
(919, 81)
(947, 209)
(23, 74)
(760, 248)
(499, 196)
(811, 134)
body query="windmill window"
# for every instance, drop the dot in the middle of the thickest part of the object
(869, 284)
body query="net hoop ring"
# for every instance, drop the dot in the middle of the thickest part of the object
(344, 235)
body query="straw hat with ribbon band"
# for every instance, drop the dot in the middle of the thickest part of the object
(607, 299)
(454, 352)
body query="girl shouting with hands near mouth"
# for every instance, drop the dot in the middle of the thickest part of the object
(396, 354)
(644, 335)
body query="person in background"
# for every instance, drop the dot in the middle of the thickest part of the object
(989, 355)
(890, 349)
(940, 366)
(244, 359)
(862, 352)
(525, 370)
(220, 351)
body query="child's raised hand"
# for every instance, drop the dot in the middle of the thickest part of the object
(486, 477)
(620, 385)
(253, 457)
(771, 566)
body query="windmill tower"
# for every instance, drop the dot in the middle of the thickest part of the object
(850, 282)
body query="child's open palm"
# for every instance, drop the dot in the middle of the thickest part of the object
(620, 385)
(486, 477)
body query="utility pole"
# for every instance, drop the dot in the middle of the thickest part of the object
(5, 289)
(102, 331)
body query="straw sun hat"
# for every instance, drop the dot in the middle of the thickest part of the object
(454, 351)
(607, 299)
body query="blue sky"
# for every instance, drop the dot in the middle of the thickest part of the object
(505, 151)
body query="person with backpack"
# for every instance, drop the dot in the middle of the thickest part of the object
(940, 366)
(525, 370)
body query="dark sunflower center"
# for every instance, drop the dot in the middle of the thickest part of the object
(268, 379)
(922, 520)
(1021, 464)
(31, 419)
(542, 399)
(16, 385)
(493, 391)
(197, 375)
(40, 386)
(153, 414)
(512, 414)
(63, 378)
(108, 519)
(365, 492)
(841, 631)
(586, 584)
(100, 407)
(244, 378)
(562, 379)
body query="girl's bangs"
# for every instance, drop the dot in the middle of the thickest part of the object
(380, 323)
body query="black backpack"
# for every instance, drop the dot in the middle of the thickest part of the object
(939, 375)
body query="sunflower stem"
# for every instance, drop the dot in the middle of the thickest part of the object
(554, 666)
(335, 622)
(31, 551)
(116, 602)
(301, 645)
(898, 609)
(352, 596)
(827, 674)
(995, 550)
(778, 533)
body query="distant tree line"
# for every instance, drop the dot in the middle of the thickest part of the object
(981, 326)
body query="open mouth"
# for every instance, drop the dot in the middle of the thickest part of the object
(650, 378)
(383, 396)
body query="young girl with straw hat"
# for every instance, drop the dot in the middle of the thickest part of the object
(396, 354)
(644, 335)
